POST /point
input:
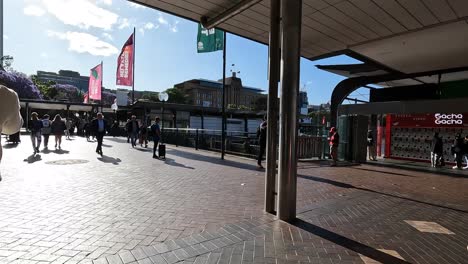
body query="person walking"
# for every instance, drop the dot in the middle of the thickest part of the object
(371, 146)
(334, 141)
(457, 149)
(58, 129)
(35, 126)
(465, 151)
(156, 133)
(262, 138)
(68, 125)
(99, 127)
(437, 150)
(127, 129)
(134, 128)
(143, 135)
(46, 130)
(10, 117)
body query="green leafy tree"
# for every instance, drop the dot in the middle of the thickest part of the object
(176, 96)
(152, 97)
(47, 89)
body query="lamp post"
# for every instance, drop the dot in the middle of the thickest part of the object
(163, 97)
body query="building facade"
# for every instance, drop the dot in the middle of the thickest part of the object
(65, 77)
(208, 93)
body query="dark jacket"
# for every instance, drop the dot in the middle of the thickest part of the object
(95, 126)
(437, 145)
(35, 126)
(458, 146)
(370, 139)
(58, 127)
(262, 133)
(132, 123)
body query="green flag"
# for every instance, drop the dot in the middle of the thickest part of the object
(209, 40)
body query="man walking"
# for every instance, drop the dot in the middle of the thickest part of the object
(35, 126)
(99, 128)
(262, 138)
(156, 133)
(46, 130)
(134, 128)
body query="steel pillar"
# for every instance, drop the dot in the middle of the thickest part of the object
(272, 122)
(291, 14)
(1, 31)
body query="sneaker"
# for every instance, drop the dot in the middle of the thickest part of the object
(155, 157)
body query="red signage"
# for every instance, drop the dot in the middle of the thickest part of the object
(125, 64)
(430, 120)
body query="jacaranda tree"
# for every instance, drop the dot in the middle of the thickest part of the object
(21, 84)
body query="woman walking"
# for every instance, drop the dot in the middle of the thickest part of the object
(58, 129)
(35, 126)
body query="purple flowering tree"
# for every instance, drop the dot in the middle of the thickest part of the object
(22, 85)
(108, 98)
(67, 92)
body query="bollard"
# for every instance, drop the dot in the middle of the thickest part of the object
(196, 139)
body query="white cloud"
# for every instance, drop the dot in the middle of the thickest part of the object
(108, 36)
(44, 55)
(135, 5)
(150, 26)
(84, 42)
(5, 37)
(142, 31)
(124, 23)
(106, 2)
(81, 13)
(33, 10)
(162, 20)
(173, 27)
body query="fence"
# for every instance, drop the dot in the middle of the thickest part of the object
(237, 142)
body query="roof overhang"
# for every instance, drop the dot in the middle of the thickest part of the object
(406, 36)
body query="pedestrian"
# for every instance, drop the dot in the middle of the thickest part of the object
(143, 135)
(156, 133)
(262, 138)
(46, 130)
(134, 128)
(334, 141)
(115, 129)
(127, 129)
(457, 150)
(35, 126)
(465, 152)
(437, 150)
(10, 117)
(58, 129)
(87, 130)
(98, 126)
(371, 146)
(68, 125)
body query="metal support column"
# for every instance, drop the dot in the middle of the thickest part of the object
(1, 31)
(291, 14)
(272, 122)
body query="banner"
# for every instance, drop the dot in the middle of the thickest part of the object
(430, 120)
(95, 83)
(125, 64)
(85, 98)
(209, 40)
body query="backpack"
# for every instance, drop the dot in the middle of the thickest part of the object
(46, 127)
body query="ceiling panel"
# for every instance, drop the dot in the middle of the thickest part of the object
(343, 29)
(460, 7)
(419, 11)
(337, 15)
(308, 22)
(440, 9)
(361, 17)
(373, 10)
(317, 4)
(399, 13)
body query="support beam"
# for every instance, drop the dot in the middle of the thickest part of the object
(272, 122)
(291, 14)
(229, 13)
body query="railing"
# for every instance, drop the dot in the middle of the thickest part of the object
(237, 142)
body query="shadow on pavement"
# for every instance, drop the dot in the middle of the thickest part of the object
(172, 162)
(144, 149)
(115, 139)
(209, 159)
(106, 146)
(350, 244)
(61, 151)
(107, 159)
(350, 186)
(10, 146)
(33, 158)
(385, 172)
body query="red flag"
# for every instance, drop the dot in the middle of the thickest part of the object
(95, 83)
(125, 64)
(85, 98)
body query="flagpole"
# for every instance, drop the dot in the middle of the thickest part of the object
(102, 99)
(133, 67)
(223, 123)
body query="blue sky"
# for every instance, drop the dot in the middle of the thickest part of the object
(78, 34)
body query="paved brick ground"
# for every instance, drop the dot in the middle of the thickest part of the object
(75, 207)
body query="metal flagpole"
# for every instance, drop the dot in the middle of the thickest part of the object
(102, 99)
(133, 67)
(223, 123)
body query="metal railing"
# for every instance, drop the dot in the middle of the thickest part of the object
(237, 142)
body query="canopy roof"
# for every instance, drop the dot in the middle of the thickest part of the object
(406, 35)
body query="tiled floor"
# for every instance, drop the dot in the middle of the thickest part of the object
(72, 206)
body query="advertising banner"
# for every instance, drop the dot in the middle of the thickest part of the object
(124, 74)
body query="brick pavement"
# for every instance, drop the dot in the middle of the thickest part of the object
(195, 208)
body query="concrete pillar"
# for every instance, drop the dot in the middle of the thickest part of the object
(272, 122)
(1, 29)
(291, 14)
